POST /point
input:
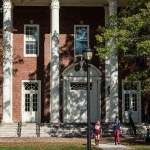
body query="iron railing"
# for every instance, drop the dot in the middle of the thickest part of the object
(132, 124)
(38, 129)
(19, 129)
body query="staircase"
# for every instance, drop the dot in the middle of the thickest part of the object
(8, 130)
(63, 130)
(42, 130)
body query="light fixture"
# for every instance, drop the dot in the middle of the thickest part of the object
(31, 21)
(88, 54)
(22, 2)
(81, 22)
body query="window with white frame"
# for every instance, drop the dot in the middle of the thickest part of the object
(31, 40)
(81, 39)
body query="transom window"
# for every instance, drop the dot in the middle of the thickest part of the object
(31, 40)
(79, 86)
(130, 86)
(81, 40)
(30, 86)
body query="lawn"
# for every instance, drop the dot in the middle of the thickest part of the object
(45, 146)
(141, 147)
(137, 143)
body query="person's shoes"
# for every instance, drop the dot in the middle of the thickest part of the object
(119, 143)
(115, 143)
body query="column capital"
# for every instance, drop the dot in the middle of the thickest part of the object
(55, 4)
(112, 7)
(106, 7)
(7, 4)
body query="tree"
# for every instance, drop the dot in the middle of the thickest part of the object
(131, 33)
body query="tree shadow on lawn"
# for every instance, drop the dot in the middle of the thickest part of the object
(134, 141)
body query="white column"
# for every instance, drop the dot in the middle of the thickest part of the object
(54, 97)
(107, 71)
(7, 64)
(112, 101)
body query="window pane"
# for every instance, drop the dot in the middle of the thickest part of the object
(127, 104)
(34, 102)
(81, 39)
(81, 33)
(80, 46)
(27, 102)
(134, 103)
(31, 39)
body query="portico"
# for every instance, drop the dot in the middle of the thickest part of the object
(111, 63)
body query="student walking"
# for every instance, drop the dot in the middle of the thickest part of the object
(117, 127)
(97, 130)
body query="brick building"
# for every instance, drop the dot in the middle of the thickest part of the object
(44, 78)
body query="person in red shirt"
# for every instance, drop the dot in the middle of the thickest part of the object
(98, 129)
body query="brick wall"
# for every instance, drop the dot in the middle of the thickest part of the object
(31, 68)
(70, 16)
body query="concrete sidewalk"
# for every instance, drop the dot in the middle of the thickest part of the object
(107, 143)
(110, 146)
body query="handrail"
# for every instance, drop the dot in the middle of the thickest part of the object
(38, 129)
(19, 129)
(132, 124)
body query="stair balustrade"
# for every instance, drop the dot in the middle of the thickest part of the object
(38, 129)
(132, 124)
(19, 129)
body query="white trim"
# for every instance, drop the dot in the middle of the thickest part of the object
(22, 98)
(74, 64)
(31, 55)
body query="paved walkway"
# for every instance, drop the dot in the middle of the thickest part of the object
(110, 146)
(107, 143)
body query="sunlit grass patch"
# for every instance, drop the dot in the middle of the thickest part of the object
(45, 146)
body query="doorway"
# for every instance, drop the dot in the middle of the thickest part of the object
(31, 101)
(75, 95)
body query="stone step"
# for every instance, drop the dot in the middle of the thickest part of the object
(46, 130)
(8, 130)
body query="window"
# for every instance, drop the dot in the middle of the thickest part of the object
(79, 86)
(81, 39)
(31, 40)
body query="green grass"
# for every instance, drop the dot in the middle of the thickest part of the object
(45, 146)
(141, 147)
(137, 144)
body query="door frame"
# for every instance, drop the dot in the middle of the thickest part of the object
(69, 73)
(39, 97)
(138, 92)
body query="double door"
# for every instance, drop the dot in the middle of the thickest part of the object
(131, 106)
(31, 103)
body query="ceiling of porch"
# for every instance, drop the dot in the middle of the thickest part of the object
(67, 2)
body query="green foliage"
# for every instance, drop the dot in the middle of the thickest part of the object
(131, 35)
